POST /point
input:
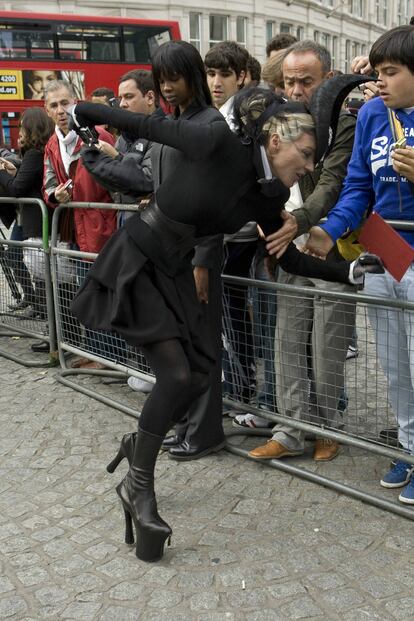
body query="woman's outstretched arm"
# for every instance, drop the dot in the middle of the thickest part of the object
(197, 140)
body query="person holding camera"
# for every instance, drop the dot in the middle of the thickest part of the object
(66, 179)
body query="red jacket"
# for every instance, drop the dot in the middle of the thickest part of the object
(93, 227)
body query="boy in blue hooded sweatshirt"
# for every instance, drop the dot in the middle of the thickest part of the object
(381, 175)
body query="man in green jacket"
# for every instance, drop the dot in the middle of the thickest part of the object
(302, 321)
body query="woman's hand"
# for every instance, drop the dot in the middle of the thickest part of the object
(403, 162)
(8, 166)
(279, 241)
(319, 242)
(201, 283)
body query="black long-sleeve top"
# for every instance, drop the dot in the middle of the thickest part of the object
(27, 183)
(214, 187)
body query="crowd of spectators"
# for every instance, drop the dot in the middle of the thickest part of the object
(304, 341)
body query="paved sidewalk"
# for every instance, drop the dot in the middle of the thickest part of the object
(249, 543)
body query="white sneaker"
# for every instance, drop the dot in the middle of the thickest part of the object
(139, 385)
(352, 352)
(252, 421)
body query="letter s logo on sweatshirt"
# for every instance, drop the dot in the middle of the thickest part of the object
(380, 153)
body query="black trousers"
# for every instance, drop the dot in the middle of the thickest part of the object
(202, 426)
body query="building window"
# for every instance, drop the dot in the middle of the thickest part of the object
(195, 30)
(218, 29)
(357, 7)
(287, 28)
(400, 12)
(334, 52)
(347, 55)
(316, 36)
(377, 10)
(385, 12)
(241, 30)
(325, 40)
(300, 33)
(270, 31)
(355, 49)
(381, 12)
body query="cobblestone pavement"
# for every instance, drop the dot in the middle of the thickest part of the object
(249, 543)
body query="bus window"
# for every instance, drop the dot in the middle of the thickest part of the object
(41, 46)
(142, 41)
(26, 41)
(92, 43)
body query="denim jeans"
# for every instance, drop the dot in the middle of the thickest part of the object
(394, 332)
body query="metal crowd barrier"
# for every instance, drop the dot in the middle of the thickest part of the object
(352, 408)
(26, 298)
(69, 269)
(361, 412)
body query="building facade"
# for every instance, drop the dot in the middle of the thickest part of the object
(346, 27)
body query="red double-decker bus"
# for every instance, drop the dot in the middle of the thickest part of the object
(87, 51)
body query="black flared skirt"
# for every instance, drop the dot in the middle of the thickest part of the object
(125, 292)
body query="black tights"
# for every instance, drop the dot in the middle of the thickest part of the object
(177, 386)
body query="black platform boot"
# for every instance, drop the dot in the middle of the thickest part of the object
(137, 495)
(126, 450)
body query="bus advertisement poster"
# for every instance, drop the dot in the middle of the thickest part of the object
(36, 80)
(11, 84)
(16, 84)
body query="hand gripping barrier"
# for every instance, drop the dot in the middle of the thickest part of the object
(302, 381)
(26, 298)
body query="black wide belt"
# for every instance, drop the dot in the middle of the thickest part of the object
(164, 241)
(175, 237)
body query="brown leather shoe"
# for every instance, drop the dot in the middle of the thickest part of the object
(272, 450)
(325, 449)
(79, 363)
(85, 363)
(94, 365)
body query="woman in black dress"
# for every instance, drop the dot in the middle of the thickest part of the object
(142, 285)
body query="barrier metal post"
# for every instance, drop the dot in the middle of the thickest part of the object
(39, 322)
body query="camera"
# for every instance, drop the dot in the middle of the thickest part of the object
(68, 185)
(88, 135)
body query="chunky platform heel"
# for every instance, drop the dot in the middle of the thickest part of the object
(129, 531)
(150, 546)
(126, 450)
(136, 493)
(150, 534)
